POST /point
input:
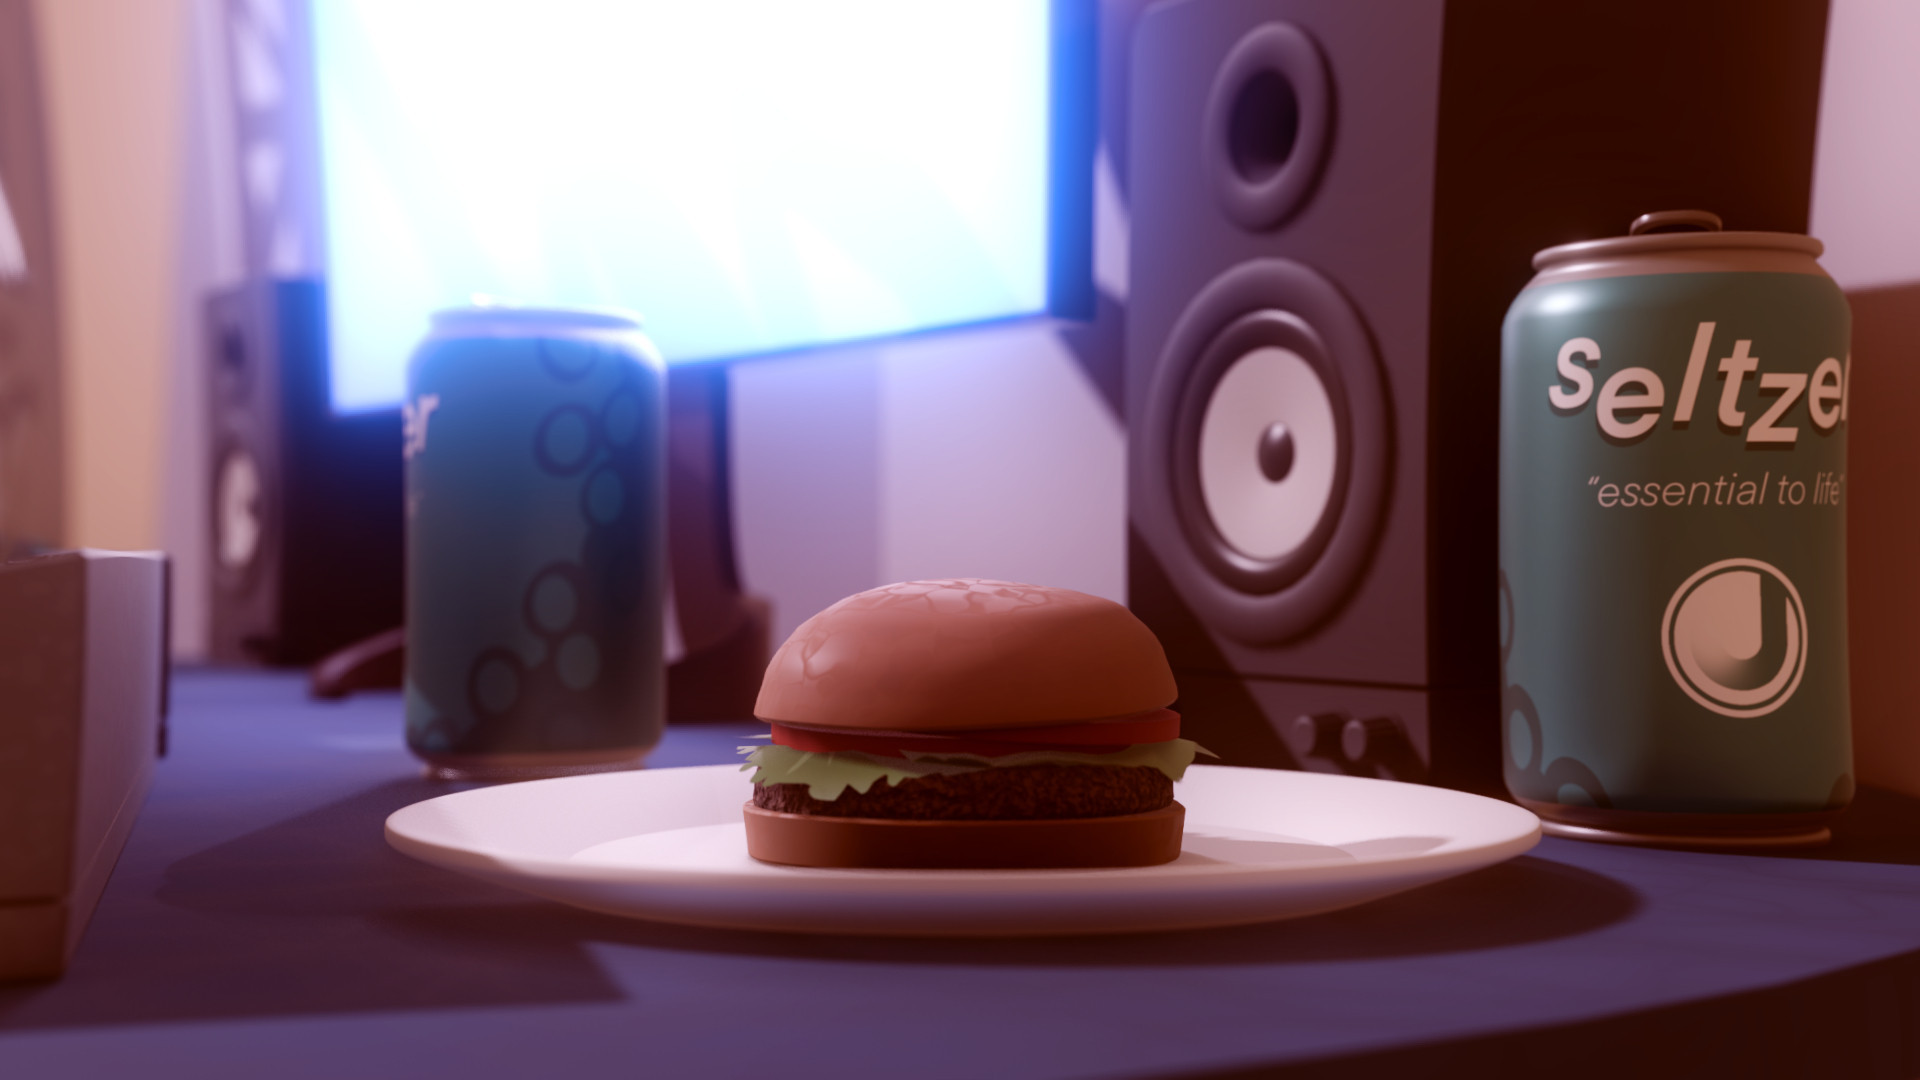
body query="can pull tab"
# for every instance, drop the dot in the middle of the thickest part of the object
(1674, 221)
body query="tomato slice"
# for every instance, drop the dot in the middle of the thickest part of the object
(1094, 737)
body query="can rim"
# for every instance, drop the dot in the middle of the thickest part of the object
(485, 311)
(1667, 243)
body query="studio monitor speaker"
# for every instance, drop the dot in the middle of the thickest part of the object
(307, 551)
(1332, 205)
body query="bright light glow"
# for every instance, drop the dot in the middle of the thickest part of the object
(750, 175)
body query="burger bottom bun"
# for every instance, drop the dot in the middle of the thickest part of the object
(1147, 839)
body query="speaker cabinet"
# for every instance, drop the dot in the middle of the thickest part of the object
(308, 548)
(1331, 210)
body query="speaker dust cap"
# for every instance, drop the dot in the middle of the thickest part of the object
(1265, 449)
(1268, 124)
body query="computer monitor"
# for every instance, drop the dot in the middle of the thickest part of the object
(752, 176)
(756, 177)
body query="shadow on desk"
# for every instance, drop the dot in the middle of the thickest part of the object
(317, 915)
(1859, 1018)
(1520, 901)
(1880, 827)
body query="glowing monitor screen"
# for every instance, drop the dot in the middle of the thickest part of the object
(752, 176)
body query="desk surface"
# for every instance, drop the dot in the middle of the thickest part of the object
(258, 925)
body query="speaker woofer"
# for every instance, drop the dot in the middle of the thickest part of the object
(1269, 121)
(1261, 450)
(239, 516)
(1266, 447)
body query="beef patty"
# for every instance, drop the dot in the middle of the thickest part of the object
(1022, 791)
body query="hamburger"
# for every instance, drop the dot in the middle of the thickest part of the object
(968, 723)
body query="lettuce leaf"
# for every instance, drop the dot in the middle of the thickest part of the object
(828, 775)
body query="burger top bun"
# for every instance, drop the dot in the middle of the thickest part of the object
(965, 654)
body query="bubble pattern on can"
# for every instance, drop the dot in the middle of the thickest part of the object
(536, 495)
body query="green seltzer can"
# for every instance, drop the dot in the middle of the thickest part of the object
(1673, 490)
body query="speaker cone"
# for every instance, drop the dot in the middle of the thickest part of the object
(238, 520)
(1265, 450)
(1262, 451)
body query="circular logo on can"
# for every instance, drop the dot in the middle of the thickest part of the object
(1735, 637)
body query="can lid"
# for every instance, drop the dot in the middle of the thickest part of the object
(493, 312)
(1680, 231)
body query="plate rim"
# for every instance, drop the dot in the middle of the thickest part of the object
(500, 865)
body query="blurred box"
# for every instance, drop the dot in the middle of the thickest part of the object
(82, 715)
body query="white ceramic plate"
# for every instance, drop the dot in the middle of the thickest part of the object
(668, 845)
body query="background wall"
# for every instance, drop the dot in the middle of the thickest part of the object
(1866, 207)
(114, 89)
(983, 453)
(1866, 185)
(147, 222)
(988, 452)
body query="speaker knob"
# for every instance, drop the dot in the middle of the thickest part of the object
(1364, 738)
(1380, 746)
(1313, 734)
(1381, 741)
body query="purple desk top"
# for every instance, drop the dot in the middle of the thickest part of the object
(259, 926)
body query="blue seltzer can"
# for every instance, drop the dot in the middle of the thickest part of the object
(1673, 489)
(536, 499)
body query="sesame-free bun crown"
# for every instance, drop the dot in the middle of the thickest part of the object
(965, 653)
